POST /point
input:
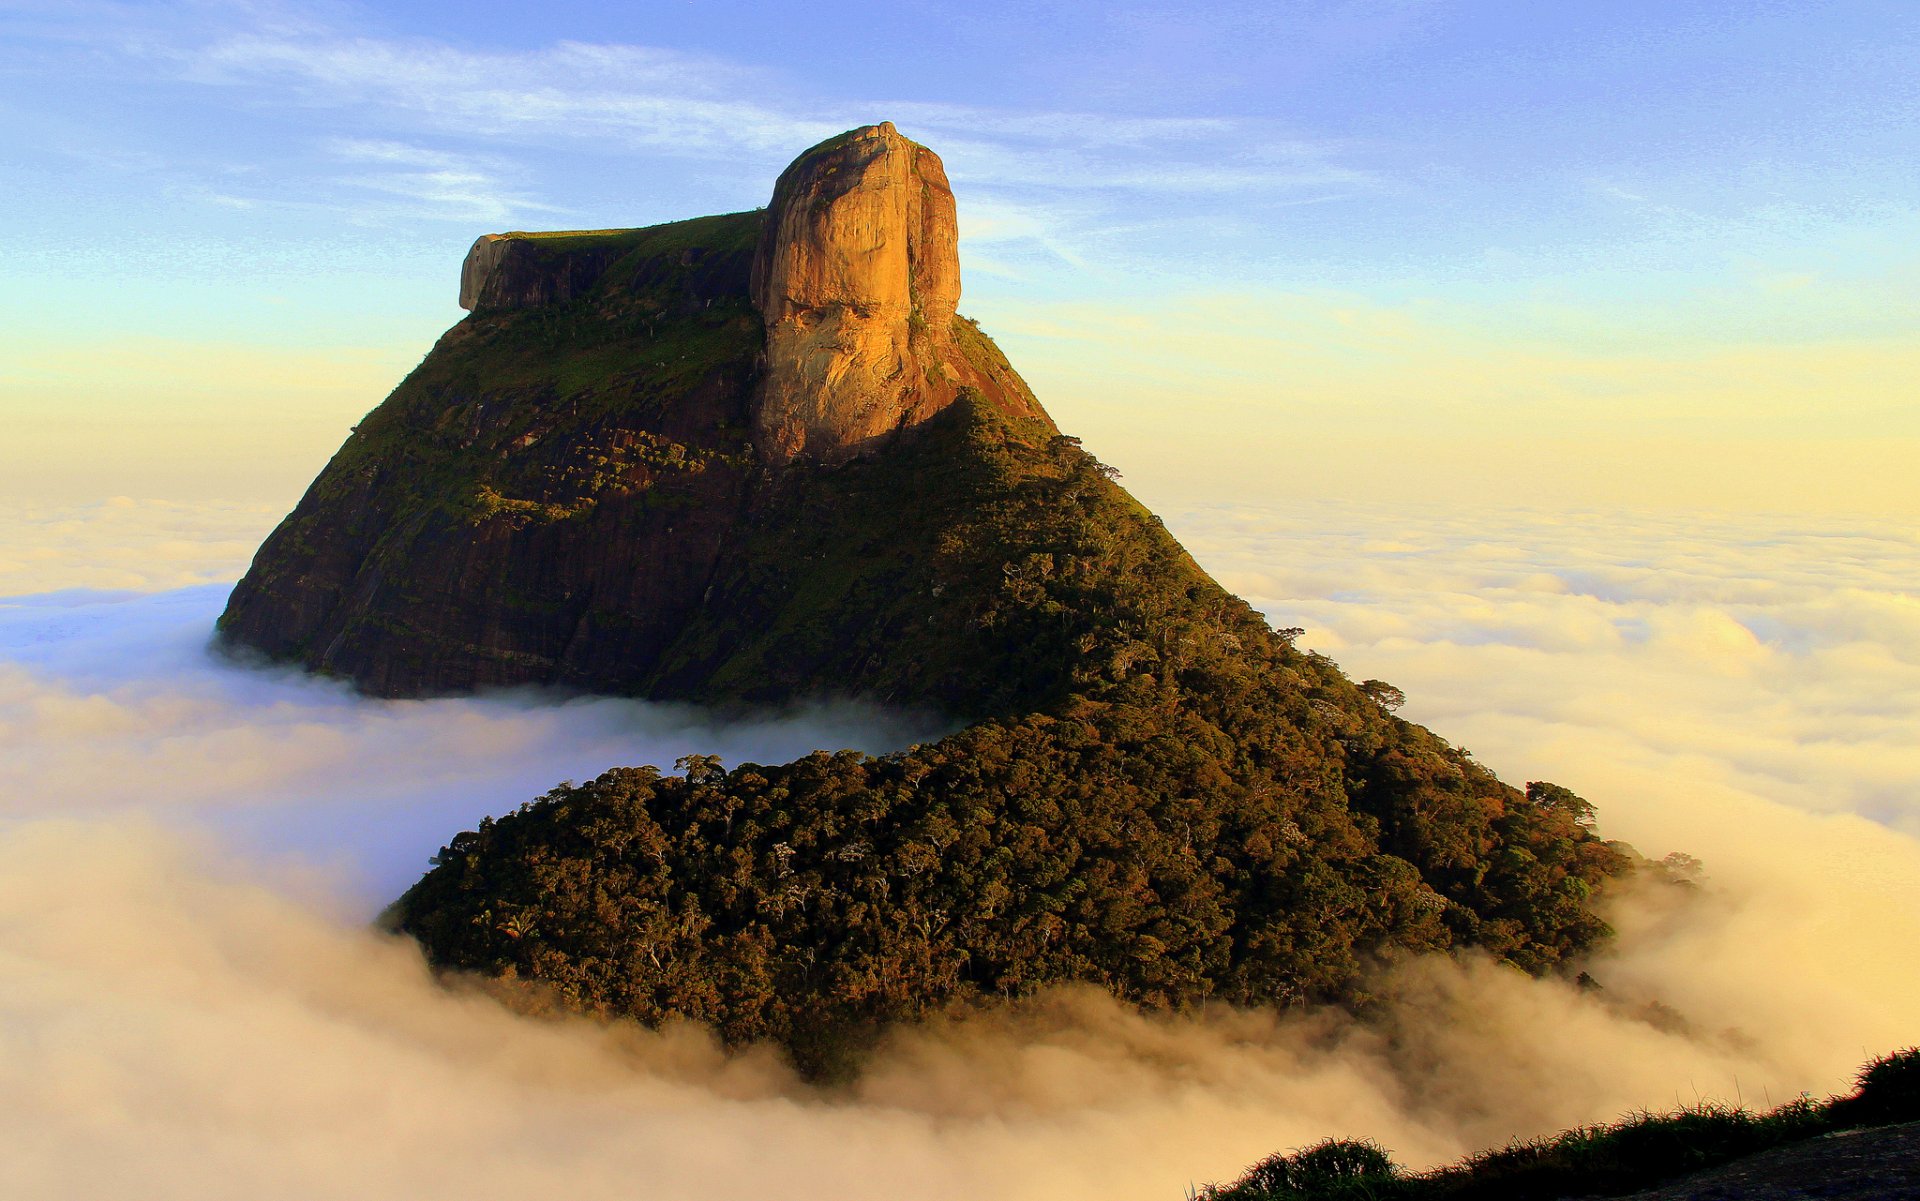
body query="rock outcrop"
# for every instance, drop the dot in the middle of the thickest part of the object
(522, 270)
(856, 276)
(858, 281)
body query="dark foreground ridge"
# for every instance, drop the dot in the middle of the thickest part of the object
(641, 467)
(1861, 1147)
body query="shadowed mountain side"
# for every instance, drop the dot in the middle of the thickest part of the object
(544, 498)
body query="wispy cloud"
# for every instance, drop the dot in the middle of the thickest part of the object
(375, 150)
(690, 105)
(641, 95)
(449, 186)
(495, 115)
(1069, 151)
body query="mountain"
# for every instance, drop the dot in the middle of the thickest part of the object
(576, 486)
(758, 457)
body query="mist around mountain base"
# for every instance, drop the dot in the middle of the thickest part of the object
(192, 1000)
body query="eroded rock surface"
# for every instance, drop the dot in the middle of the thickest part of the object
(858, 281)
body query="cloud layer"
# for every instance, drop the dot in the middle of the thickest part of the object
(110, 704)
(191, 1004)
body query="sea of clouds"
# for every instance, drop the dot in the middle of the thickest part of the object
(193, 1004)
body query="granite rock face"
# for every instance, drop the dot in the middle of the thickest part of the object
(858, 281)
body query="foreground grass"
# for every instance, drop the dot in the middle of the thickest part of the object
(1638, 1152)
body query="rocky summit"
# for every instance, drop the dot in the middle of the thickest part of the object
(557, 493)
(858, 282)
(758, 457)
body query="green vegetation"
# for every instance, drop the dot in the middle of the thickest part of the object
(1158, 793)
(981, 351)
(652, 332)
(587, 236)
(1641, 1151)
(634, 392)
(721, 234)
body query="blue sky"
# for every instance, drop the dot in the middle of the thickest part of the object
(1293, 217)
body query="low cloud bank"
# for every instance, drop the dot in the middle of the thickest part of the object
(111, 703)
(179, 1028)
(1741, 689)
(178, 1020)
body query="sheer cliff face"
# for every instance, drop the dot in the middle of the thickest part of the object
(522, 271)
(857, 279)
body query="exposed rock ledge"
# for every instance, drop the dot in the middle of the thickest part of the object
(856, 277)
(523, 270)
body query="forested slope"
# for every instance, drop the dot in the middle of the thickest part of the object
(1156, 792)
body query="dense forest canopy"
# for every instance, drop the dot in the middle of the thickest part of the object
(1155, 791)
